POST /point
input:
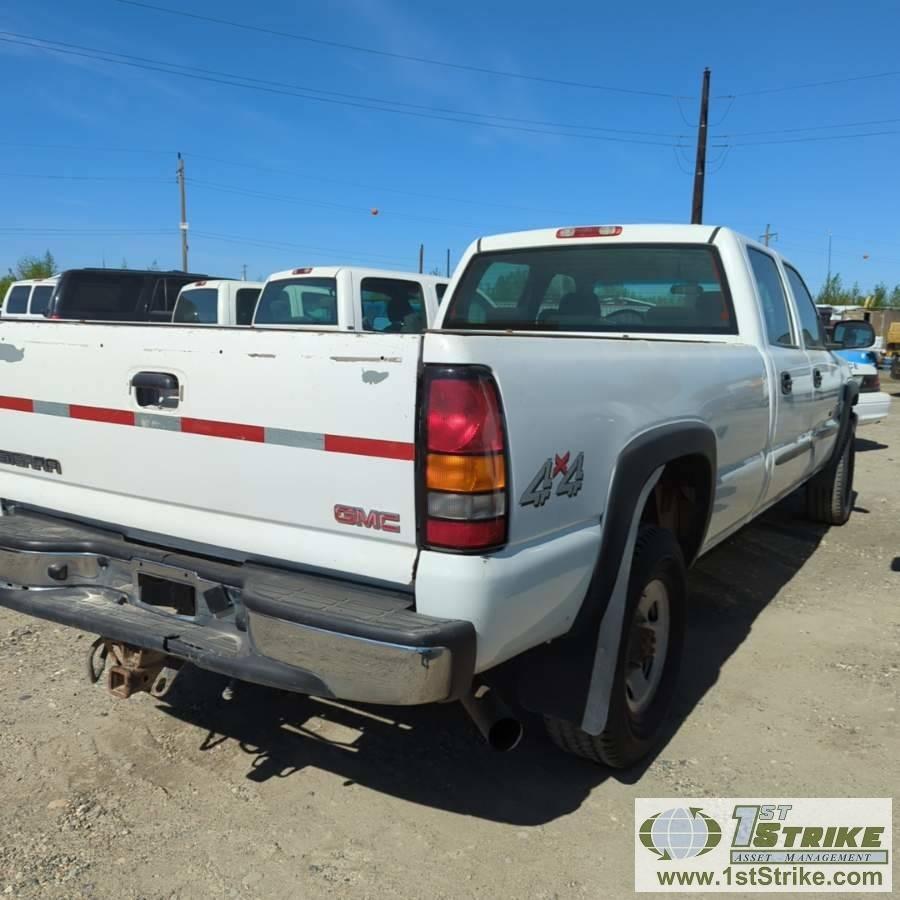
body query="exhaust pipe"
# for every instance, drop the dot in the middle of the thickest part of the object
(493, 718)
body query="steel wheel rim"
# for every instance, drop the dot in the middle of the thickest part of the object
(647, 646)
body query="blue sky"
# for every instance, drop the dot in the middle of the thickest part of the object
(277, 180)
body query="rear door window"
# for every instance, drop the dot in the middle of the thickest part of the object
(17, 301)
(773, 299)
(245, 305)
(810, 320)
(40, 300)
(392, 305)
(198, 307)
(298, 301)
(94, 295)
(652, 288)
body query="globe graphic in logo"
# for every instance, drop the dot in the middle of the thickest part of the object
(681, 833)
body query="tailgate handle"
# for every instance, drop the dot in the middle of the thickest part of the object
(159, 389)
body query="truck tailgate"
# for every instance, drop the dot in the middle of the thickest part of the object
(284, 445)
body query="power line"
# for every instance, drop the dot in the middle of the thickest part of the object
(805, 140)
(304, 201)
(807, 128)
(249, 83)
(298, 173)
(374, 187)
(801, 86)
(246, 26)
(284, 245)
(141, 178)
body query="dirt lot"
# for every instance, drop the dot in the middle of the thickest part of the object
(791, 687)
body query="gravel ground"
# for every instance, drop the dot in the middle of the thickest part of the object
(790, 687)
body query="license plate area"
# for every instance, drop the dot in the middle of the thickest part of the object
(165, 589)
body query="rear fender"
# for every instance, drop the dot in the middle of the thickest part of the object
(569, 677)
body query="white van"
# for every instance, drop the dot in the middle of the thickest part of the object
(221, 302)
(28, 299)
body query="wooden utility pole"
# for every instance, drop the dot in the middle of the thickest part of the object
(184, 225)
(769, 235)
(421, 258)
(244, 272)
(448, 262)
(700, 170)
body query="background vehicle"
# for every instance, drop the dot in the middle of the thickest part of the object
(508, 501)
(222, 302)
(873, 404)
(349, 297)
(118, 295)
(28, 299)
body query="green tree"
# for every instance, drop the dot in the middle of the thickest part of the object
(879, 296)
(832, 291)
(895, 296)
(28, 267)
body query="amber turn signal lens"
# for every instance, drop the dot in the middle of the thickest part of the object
(465, 474)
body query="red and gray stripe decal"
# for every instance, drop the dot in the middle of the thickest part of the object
(258, 434)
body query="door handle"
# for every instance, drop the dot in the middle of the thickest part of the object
(160, 389)
(787, 383)
(817, 378)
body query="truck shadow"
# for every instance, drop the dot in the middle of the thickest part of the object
(434, 756)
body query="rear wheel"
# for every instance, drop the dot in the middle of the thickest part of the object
(829, 495)
(648, 662)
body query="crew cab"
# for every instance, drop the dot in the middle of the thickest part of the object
(219, 302)
(501, 507)
(28, 299)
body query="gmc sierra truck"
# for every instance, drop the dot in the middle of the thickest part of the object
(502, 507)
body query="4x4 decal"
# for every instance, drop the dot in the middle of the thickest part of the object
(540, 489)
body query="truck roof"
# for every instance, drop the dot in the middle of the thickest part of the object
(331, 272)
(648, 233)
(216, 282)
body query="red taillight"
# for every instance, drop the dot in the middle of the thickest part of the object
(305, 271)
(584, 231)
(463, 416)
(463, 480)
(870, 383)
(458, 535)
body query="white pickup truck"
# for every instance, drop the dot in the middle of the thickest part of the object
(504, 505)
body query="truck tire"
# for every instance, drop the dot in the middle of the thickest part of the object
(829, 495)
(649, 658)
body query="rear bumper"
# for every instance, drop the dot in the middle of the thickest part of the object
(872, 407)
(294, 631)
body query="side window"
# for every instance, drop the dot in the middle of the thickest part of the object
(774, 301)
(392, 305)
(17, 302)
(440, 289)
(245, 301)
(810, 320)
(197, 307)
(40, 300)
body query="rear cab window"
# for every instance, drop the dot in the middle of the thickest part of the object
(17, 301)
(392, 305)
(245, 305)
(197, 307)
(40, 300)
(310, 302)
(634, 288)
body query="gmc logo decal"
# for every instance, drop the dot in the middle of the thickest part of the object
(373, 518)
(25, 461)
